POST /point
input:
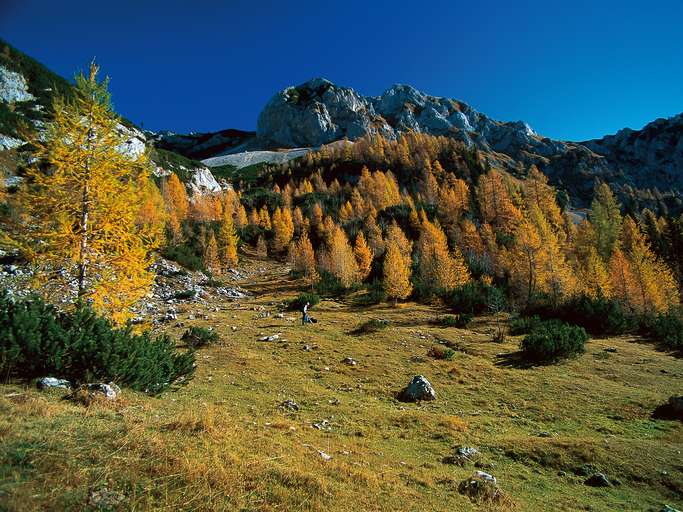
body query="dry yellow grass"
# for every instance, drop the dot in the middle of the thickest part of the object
(224, 443)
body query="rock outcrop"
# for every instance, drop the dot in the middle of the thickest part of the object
(319, 112)
(13, 87)
(647, 158)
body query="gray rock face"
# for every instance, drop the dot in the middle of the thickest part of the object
(13, 87)
(319, 112)
(481, 486)
(203, 181)
(109, 391)
(53, 383)
(419, 389)
(462, 455)
(315, 113)
(651, 157)
(598, 480)
(134, 145)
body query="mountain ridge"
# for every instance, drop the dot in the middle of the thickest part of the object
(641, 165)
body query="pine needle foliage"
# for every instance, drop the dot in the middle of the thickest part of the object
(37, 341)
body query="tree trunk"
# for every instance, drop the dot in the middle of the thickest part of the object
(85, 211)
(82, 264)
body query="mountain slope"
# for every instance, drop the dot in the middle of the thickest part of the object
(27, 90)
(644, 166)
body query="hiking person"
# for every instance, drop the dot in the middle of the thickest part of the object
(305, 319)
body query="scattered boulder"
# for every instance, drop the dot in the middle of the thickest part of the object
(585, 470)
(272, 337)
(672, 410)
(290, 405)
(417, 390)
(323, 425)
(109, 391)
(544, 434)
(89, 393)
(598, 480)
(324, 456)
(462, 455)
(481, 487)
(53, 383)
(611, 349)
(349, 361)
(668, 508)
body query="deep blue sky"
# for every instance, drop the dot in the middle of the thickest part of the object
(573, 70)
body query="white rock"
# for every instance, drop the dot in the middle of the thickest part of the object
(13, 87)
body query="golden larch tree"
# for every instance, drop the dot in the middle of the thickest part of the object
(537, 193)
(228, 240)
(495, 202)
(396, 234)
(363, 256)
(594, 279)
(656, 287)
(622, 280)
(212, 261)
(83, 225)
(261, 247)
(177, 205)
(396, 273)
(304, 259)
(283, 228)
(374, 232)
(438, 269)
(241, 219)
(338, 259)
(152, 217)
(264, 218)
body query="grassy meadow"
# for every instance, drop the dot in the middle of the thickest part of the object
(225, 442)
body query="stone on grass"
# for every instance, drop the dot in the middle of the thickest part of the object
(89, 393)
(53, 383)
(109, 391)
(272, 337)
(417, 390)
(462, 455)
(668, 508)
(481, 487)
(349, 361)
(290, 405)
(597, 480)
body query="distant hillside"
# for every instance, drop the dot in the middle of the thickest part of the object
(27, 89)
(644, 167)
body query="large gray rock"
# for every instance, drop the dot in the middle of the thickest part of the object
(109, 391)
(13, 87)
(417, 390)
(319, 112)
(53, 383)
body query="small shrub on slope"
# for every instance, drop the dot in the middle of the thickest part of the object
(196, 337)
(553, 340)
(38, 341)
(298, 303)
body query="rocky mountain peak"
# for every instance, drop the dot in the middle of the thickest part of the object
(319, 112)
